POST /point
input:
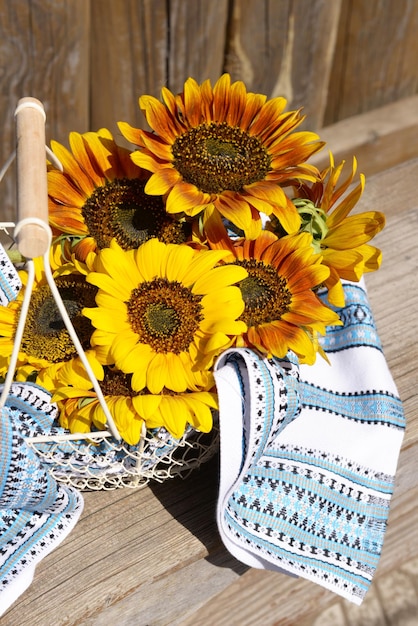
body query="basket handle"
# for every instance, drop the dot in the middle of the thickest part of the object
(32, 190)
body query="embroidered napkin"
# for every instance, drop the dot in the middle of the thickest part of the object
(309, 454)
(36, 513)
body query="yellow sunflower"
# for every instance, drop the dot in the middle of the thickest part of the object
(223, 148)
(164, 311)
(341, 238)
(282, 310)
(80, 411)
(46, 342)
(100, 195)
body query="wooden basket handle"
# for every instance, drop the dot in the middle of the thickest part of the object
(32, 230)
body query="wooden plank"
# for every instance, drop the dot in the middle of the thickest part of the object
(168, 43)
(128, 541)
(125, 539)
(375, 60)
(139, 47)
(380, 139)
(213, 576)
(198, 32)
(128, 59)
(262, 598)
(279, 48)
(44, 48)
(400, 181)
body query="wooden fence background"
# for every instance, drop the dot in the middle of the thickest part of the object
(89, 60)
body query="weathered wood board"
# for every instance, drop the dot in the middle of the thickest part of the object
(153, 557)
(88, 61)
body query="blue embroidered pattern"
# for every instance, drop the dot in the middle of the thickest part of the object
(312, 512)
(371, 407)
(359, 328)
(35, 510)
(10, 283)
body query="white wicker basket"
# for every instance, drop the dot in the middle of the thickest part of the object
(95, 460)
(103, 463)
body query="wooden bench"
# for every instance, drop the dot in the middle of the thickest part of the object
(153, 557)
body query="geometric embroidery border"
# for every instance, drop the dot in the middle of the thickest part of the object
(368, 407)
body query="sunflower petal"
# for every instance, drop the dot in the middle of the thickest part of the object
(158, 117)
(158, 373)
(79, 148)
(146, 404)
(131, 134)
(162, 181)
(184, 197)
(216, 279)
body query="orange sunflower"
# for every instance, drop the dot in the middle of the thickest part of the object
(342, 239)
(282, 310)
(99, 195)
(223, 148)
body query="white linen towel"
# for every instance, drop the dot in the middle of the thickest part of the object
(309, 454)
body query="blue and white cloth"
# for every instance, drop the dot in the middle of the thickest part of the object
(308, 459)
(10, 283)
(36, 512)
(309, 455)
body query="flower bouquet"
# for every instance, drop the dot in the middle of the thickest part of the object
(212, 231)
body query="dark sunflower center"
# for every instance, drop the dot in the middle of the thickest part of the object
(162, 319)
(122, 210)
(265, 293)
(219, 157)
(165, 315)
(116, 383)
(45, 335)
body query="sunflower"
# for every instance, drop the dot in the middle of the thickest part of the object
(282, 311)
(341, 238)
(80, 411)
(223, 148)
(46, 342)
(100, 195)
(164, 311)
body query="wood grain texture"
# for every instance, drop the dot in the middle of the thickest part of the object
(44, 48)
(279, 48)
(128, 59)
(33, 240)
(375, 57)
(125, 541)
(140, 47)
(380, 139)
(138, 557)
(198, 38)
(90, 61)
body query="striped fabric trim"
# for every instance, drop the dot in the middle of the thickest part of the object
(315, 511)
(10, 283)
(36, 513)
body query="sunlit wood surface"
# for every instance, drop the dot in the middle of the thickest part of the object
(88, 61)
(153, 557)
